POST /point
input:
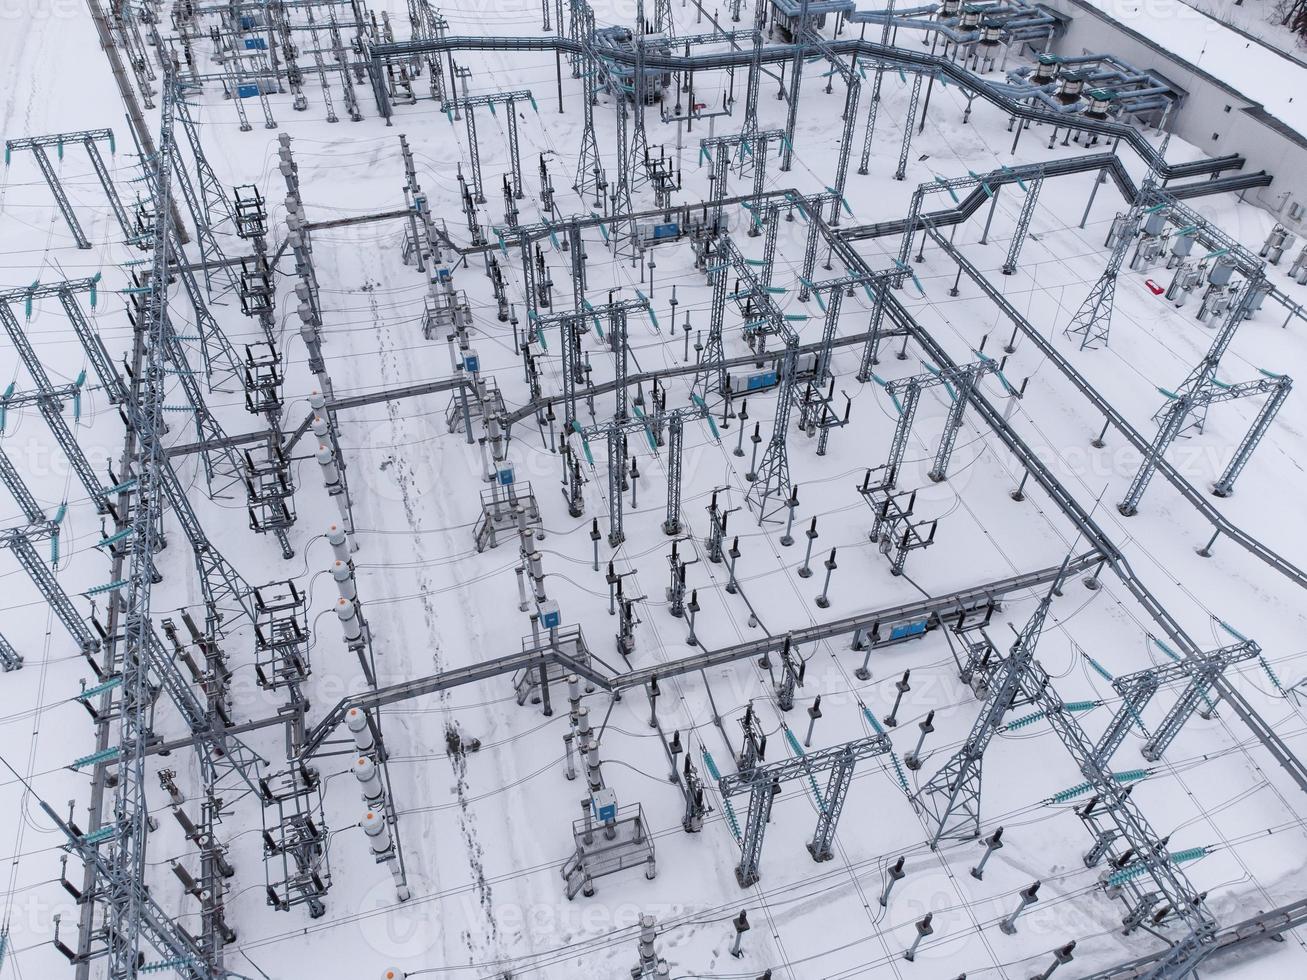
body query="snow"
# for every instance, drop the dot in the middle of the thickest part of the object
(1266, 76)
(485, 832)
(1263, 19)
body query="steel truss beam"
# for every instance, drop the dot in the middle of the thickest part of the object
(930, 611)
(761, 782)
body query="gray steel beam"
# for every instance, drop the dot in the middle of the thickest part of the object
(937, 607)
(885, 55)
(1263, 926)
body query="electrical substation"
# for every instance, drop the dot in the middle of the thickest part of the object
(780, 489)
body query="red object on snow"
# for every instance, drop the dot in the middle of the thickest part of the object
(700, 106)
(1156, 289)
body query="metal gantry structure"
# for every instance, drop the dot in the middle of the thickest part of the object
(763, 780)
(121, 919)
(90, 140)
(1197, 393)
(468, 105)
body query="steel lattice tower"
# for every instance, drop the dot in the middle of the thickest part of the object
(952, 796)
(133, 920)
(773, 485)
(1093, 321)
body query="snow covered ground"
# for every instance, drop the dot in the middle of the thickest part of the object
(485, 832)
(1262, 19)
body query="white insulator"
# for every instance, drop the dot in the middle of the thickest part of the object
(320, 427)
(344, 577)
(374, 825)
(393, 974)
(327, 460)
(369, 777)
(286, 167)
(349, 620)
(339, 541)
(302, 292)
(317, 401)
(356, 720)
(309, 333)
(305, 312)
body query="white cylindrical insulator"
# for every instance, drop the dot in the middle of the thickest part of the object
(369, 777)
(305, 312)
(349, 620)
(344, 578)
(339, 541)
(327, 460)
(320, 427)
(308, 333)
(374, 825)
(356, 720)
(317, 401)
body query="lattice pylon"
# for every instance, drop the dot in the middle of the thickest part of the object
(1093, 321)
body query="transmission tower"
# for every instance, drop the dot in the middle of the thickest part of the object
(952, 796)
(132, 919)
(1093, 321)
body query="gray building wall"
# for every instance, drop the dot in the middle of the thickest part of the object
(1214, 117)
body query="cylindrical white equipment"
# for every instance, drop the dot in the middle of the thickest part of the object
(327, 460)
(341, 545)
(349, 620)
(344, 578)
(369, 777)
(320, 427)
(356, 720)
(374, 825)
